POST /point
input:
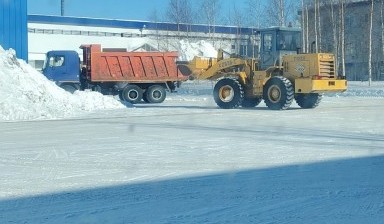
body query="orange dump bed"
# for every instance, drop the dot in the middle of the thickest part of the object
(139, 67)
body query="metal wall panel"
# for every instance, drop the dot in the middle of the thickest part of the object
(130, 24)
(13, 26)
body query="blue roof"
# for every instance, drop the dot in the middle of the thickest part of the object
(132, 24)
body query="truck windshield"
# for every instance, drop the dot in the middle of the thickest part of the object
(53, 61)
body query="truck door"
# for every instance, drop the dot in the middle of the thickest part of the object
(54, 68)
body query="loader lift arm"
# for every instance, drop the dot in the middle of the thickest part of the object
(212, 68)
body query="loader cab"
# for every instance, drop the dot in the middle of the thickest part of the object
(62, 66)
(277, 42)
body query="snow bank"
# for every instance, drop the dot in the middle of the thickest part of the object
(362, 89)
(188, 50)
(26, 94)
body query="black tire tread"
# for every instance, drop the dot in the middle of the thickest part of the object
(239, 94)
(308, 101)
(287, 91)
(148, 97)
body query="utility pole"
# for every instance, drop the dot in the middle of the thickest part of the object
(62, 7)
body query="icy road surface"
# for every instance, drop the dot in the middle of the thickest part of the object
(186, 161)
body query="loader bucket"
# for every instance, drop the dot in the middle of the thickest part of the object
(183, 68)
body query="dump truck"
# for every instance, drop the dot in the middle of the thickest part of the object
(278, 75)
(134, 76)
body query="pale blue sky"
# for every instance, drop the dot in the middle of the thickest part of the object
(120, 9)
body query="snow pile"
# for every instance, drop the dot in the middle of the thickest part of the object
(189, 50)
(26, 94)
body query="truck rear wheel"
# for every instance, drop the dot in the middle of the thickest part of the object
(228, 93)
(308, 100)
(278, 93)
(132, 94)
(155, 94)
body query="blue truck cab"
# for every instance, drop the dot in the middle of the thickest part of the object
(63, 67)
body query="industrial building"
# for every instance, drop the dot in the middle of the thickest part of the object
(68, 33)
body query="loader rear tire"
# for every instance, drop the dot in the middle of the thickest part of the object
(278, 93)
(250, 102)
(308, 100)
(228, 93)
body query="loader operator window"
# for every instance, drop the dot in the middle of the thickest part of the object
(56, 61)
(267, 42)
(288, 41)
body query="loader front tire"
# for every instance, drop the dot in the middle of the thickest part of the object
(278, 93)
(308, 100)
(228, 93)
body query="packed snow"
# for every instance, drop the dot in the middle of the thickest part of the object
(188, 50)
(26, 94)
(86, 158)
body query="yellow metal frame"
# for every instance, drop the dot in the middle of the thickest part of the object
(320, 86)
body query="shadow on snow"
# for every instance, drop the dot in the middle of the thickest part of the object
(340, 191)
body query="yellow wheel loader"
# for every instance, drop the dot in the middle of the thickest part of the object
(278, 75)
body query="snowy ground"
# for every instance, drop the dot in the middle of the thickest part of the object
(186, 161)
(87, 158)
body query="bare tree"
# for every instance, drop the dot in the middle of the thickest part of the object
(303, 21)
(307, 28)
(370, 44)
(316, 27)
(236, 18)
(382, 36)
(334, 29)
(180, 12)
(280, 11)
(319, 4)
(342, 33)
(153, 17)
(254, 13)
(276, 12)
(211, 10)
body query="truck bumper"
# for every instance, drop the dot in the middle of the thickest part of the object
(320, 86)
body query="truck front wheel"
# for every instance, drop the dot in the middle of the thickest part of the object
(155, 94)
(132, 94)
